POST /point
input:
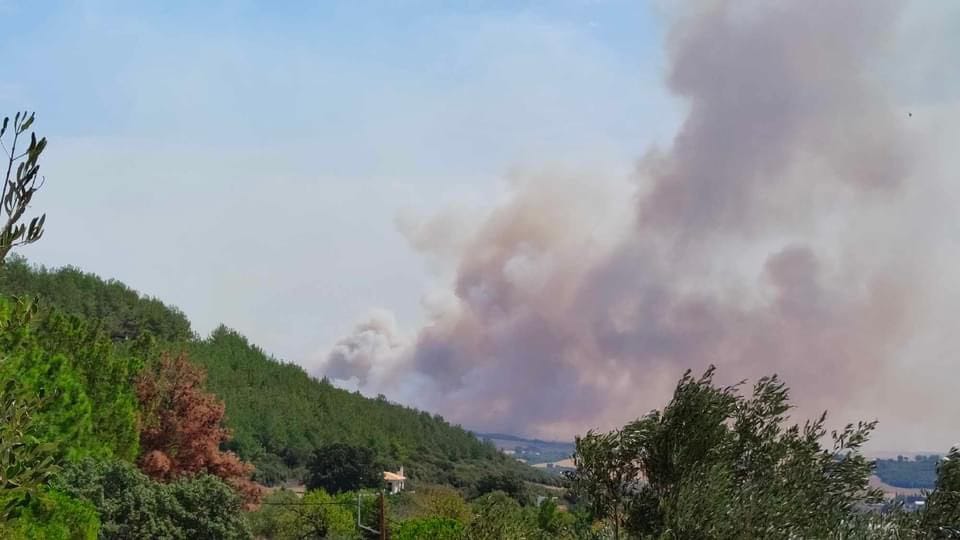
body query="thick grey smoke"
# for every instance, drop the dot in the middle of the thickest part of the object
(768, 238)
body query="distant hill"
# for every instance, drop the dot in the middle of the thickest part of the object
(514, 438)
(531, 451)
(890, 491)
(919, 472)
(277, 412)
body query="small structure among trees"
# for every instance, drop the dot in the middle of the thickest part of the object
(394, 481)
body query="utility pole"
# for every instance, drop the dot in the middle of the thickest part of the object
(362, 527)
(383, 518)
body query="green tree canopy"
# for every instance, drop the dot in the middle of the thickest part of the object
(285, 516)
(941, 516)
(497, 516)
(429, 528)
(131, 505)
(51, 515)
(716, 464)
(121, 313)
(26, 463)
(90, 406)
(340, 467)
(280, 415)
(505, 482)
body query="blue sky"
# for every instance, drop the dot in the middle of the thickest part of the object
(246, 161)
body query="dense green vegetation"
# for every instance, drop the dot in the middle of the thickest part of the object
(717, 464)
(941, 517)
(317, 514)
(119, 311)
(68, 396)
(434, 513)
(27, 462)
(130, 505)
(340, 467)
(90, 407)
(280, 415)
(920, 472)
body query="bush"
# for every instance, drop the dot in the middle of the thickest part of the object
(437, 501)
(497, 516)
(54, 515)
(508, 483)
(133, 506)
(283, 515)
(429, 528)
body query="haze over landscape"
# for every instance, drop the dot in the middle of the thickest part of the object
(530, 218)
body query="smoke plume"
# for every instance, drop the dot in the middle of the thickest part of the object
(769, 237)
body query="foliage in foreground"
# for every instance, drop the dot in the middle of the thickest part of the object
(53, 514)
(26, 463)
(284, 515)
(21, 182)
(716, 464)
(131, 505)
(429, 528)
(429, 501)
(941, 517)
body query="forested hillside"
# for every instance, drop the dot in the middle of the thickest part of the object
(121, 312)
(278, 413)
(919, 472)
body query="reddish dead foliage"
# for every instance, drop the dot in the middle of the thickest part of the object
(182, 428)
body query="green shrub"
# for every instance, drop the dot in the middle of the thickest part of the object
(133, 506)
(283, 516)
(429, 528)
(55, 516)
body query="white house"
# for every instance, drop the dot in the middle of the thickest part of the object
(394, 481)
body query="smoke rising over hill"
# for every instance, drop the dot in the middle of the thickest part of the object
(776, 234)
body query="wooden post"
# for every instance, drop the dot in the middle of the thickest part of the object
(383, 517)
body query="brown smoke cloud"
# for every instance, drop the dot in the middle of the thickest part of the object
(763, 240)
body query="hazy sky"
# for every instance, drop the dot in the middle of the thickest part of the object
(246, 161)
(267, 164)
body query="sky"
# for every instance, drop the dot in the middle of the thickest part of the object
(247, 162)
(331, 177)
